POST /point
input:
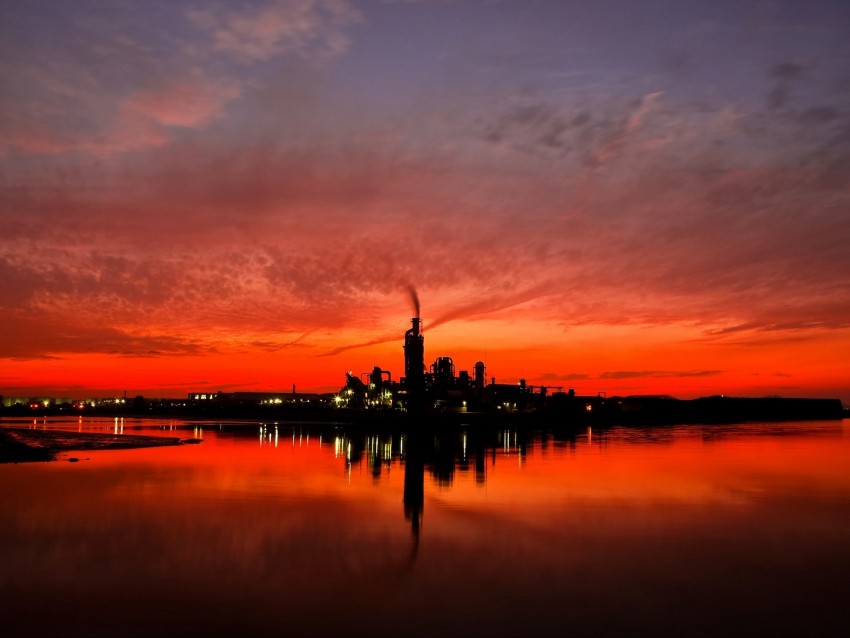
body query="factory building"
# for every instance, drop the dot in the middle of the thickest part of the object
(257, 398)
(439, 388)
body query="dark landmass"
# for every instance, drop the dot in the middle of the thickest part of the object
(560, 411)
(662, 410)
(518, 407)
(19, 445)
(563, 411)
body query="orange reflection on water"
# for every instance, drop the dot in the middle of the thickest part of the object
(288, 529)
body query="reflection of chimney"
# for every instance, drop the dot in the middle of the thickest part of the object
(414, 484)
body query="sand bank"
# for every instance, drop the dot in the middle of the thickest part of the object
(19, 445)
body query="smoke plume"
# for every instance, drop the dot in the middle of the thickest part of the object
(414, 298)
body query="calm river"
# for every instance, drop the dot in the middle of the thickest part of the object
(292, 530)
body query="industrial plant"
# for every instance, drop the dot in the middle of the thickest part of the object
(441, 388)
(442, 394)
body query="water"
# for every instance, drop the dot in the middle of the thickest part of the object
(299, 530)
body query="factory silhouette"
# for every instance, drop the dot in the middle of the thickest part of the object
(440, 388)
(439, 391)
(441, 395)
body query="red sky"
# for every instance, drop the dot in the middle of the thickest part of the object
(631, 198)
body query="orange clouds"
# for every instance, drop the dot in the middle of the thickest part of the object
(144, 116)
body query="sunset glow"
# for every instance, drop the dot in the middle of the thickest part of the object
(620, 197)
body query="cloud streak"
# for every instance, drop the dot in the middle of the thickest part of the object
(658, 374)
(260, 31)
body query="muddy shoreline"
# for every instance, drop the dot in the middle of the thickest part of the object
(22, 445)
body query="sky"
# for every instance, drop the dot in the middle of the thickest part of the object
(612, 196)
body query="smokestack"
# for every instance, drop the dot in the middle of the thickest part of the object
(414, 365)
(478, 372)
(414, 354)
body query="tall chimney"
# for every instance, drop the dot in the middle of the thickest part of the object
(414, 364)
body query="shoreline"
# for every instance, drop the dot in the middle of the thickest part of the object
(25, 445)
(22, 444)
(562, 410)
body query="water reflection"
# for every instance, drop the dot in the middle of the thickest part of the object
(288, 529)
(414, 483)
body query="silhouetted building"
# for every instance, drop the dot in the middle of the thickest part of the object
(414, 365)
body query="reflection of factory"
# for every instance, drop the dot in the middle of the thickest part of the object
(440, 388)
